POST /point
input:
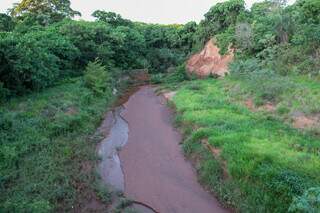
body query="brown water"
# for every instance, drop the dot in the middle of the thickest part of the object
(155, 172)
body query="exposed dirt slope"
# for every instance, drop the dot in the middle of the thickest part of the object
(209, 61)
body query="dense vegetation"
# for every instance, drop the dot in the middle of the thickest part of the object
(44, 132)
(283, 38)
(41, 45)
(46, 150)
(240, 130)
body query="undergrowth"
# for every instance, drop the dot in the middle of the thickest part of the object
(46, 154)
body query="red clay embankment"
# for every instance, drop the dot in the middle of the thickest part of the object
(209, 61)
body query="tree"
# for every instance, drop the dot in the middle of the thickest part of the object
(35, 60)
(111, 18)
(45, 11)
(187, 35)
(310, 9)
(222, 15)
(6, 23)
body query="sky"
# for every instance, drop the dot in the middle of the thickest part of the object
(149, 11)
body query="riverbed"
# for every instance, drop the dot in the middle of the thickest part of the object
(142, 157)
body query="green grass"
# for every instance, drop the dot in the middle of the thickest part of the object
(292, 93)
(46, 149)
(268, 162)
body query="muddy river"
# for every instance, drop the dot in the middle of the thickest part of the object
(141, 157)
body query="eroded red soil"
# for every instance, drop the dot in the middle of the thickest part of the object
(209, 61)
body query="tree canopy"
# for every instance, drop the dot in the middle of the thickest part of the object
(45, 11)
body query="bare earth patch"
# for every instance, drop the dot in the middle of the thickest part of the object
(269, 107)
(169, 95)
(209, 61)
(301, 121)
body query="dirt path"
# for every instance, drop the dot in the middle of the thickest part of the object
(155, 171)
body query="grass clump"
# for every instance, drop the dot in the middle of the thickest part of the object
(45, 155)
(268, 163)
(289, 95)
(308, 202)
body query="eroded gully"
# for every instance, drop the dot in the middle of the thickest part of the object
(141, 157)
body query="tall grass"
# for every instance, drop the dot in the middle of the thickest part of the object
(45, 151)
(268, 162)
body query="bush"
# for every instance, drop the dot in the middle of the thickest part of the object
(157, 78)
(241, 67)
(97, 78)
(179, 75)
(163, 58)
(174, 75)
(225, 39)
(34, 60)
(308, 202)
(266, 84)
(4, 93)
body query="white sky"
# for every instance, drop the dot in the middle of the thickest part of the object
(149, 11)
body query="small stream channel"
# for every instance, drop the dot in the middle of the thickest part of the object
(108, 150)
(110, 165)
(141, 157)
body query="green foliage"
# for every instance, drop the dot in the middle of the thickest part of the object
(244, 67)
(174, 76)
(120, 46)
(111, 18)
(4, 93)
(97, 78)
(157, 78)
(258, 152)
(161, 59)
(42, 49)
(287, 35)
(308, 202)
(178, 75)
(45, 12)
(43, 136)
(34, 60)
(310, 9)
(224, 40)
(220, 17)
(44, 149)
(264, 83)
(167, 46)
(6, 23)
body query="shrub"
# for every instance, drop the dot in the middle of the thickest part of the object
(268, 85)
(97, 78)
(240, 67)
(161, 59)
(4, 93)
(265, 83)
(308, 202)
(178, 75)
(157, 78)
(34, 60)
(225, 39)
